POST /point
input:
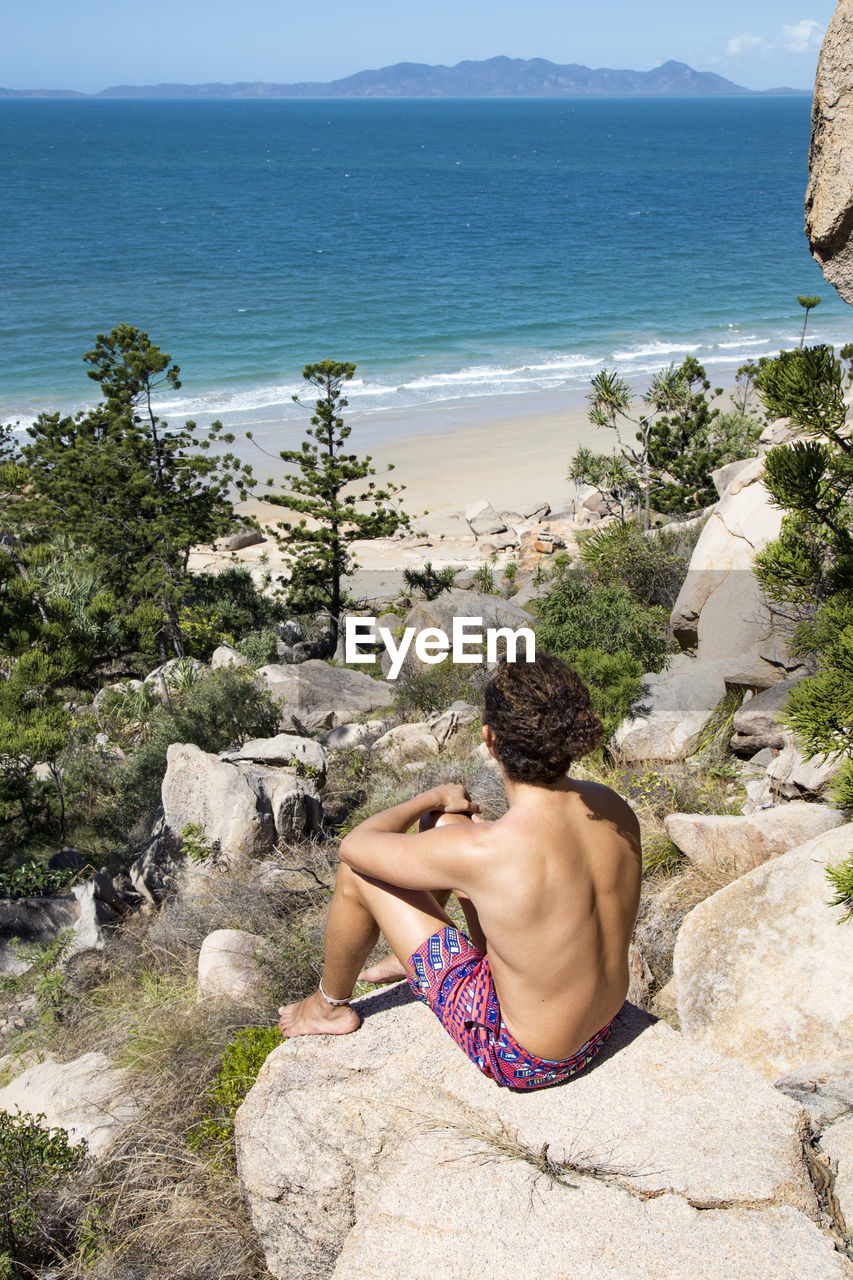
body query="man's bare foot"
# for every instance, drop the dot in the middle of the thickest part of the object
(314, 1017)
(388, 969)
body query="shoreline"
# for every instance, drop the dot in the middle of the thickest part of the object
(512, 456)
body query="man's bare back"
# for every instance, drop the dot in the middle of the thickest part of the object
(550, 889)
(557, 900)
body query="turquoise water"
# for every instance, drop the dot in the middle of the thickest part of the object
(454, 250)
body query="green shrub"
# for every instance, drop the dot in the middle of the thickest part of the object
(32, 880)
(195, 845)
(224, 606)
(841, 879)
(34, 1161)
(429, 582)
(820, 708)
(579, 613)
(735, 435)
(652, 566)
(224, 709)
(421, 691)
(259, 646)
(241, 1062)
(484, 579)
(614, 681)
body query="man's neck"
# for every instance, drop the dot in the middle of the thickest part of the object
(534, 794)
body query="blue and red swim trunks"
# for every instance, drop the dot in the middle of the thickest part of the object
(449, 974)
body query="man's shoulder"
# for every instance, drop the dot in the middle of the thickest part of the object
(604, 802)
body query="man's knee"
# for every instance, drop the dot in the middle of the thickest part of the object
(438, 819)
(348, 882)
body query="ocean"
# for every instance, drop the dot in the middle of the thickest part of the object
(456, 251)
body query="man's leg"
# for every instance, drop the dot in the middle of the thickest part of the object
(389, 968)
(360, 908)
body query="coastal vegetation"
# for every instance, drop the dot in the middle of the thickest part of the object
(77, 632)
(608, 613)
(808, 570)
(668, 445)
(317, 490)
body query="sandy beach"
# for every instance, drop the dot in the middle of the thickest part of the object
(513, 452)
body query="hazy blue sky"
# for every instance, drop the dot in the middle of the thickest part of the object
(90, 44)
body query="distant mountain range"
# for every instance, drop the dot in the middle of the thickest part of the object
(493, 78)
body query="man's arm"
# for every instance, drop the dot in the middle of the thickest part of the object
(436, 859)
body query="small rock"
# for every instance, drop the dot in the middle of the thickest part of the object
(231, 966)
(346, 737)
(227, 656)
(244, 538)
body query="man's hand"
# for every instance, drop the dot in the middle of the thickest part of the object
(452, 797)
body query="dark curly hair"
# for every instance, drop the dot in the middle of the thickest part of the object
(542, 718)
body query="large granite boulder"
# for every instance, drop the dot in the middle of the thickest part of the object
(721, 616)
(89, 1098)
(316, 696)
(362, 1155)
(239, 809)
(829, 197)
(764, 970)
(674, 708)
(741, 843)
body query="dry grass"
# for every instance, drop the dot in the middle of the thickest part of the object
(156, 1208)
(494, 1141)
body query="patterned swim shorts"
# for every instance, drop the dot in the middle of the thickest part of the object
(449, 974)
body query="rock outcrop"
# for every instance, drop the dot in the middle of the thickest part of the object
(316, 696)
(89, 1098)
(387, 1152)
(739, 844)
(239, 808)
(829, 197)
(763, 968)
(721, 617)
(728, 634)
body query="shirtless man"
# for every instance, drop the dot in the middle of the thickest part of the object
(550, 893)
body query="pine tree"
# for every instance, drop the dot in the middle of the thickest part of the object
(332, 518)
(680, 438)
(137, 494)
(812, 479)
(808, 569)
